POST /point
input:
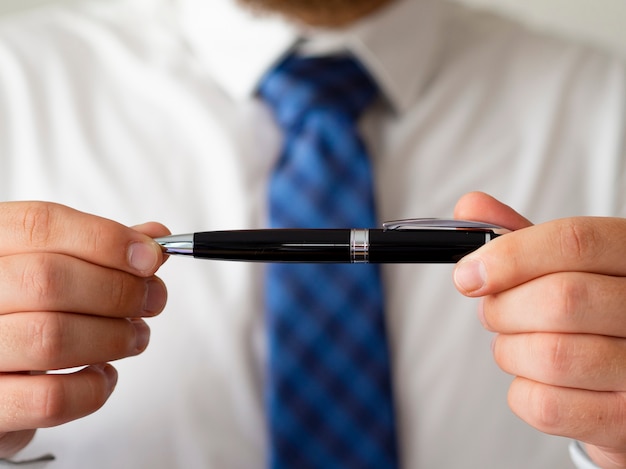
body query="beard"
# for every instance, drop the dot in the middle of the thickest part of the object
(317, 12)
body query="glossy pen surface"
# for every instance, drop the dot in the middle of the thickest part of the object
(330, 245)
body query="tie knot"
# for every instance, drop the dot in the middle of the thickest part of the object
(299, 85)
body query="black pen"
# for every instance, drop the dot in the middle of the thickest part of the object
(424, 240)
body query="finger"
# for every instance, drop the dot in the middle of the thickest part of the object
(607, 458)
(582, 244)
(12, 442)
(569, 302)
(51, 341)
(45, 227)
(478, 206)
(56, 282)
(583, 361)
(152, 229)
(41, 401)
(590, 416)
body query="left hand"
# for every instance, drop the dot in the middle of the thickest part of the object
(555, 294)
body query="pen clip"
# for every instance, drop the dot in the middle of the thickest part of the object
(442, 224)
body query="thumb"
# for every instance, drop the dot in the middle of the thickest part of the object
(154, 230)
(478, 206)
(470, 272)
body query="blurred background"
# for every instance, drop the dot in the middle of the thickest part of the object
(600, 22)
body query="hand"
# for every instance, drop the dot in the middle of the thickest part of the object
(73, 290)
(555, 294)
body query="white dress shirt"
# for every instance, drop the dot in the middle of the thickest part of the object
(145, 110)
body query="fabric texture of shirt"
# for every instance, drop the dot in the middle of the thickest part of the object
(146, 110)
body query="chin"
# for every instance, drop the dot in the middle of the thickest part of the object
(317, 12)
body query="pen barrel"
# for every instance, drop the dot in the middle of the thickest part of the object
(276, 245)
(424, 246)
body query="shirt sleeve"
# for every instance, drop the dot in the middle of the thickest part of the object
(579, 456)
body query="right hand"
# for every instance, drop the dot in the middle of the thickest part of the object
(73, 290)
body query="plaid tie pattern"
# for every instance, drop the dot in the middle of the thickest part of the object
(329, 391)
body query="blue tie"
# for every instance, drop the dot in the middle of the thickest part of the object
(329, 391)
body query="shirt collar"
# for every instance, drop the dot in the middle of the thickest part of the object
(398, 44)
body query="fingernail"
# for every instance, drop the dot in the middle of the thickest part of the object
(143, 257)
(109, 372)
(470, 275)
(480, 312)
(142, 334)
(155, 298)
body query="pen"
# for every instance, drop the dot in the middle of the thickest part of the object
(423, 240)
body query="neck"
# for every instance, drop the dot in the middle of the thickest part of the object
(324, 14)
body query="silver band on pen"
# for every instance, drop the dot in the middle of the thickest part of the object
(359, 246)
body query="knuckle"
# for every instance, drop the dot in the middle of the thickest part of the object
(556, 358)
(547, 412)
(119, 293)
(541, 406)
(121, 344)
(122, 295)
(41, 278)
(537, 404)
(50, 403)
(92, 238)
(570, 294)
(58, 399)
(37, 224)
(46, 335)
(576, 239)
